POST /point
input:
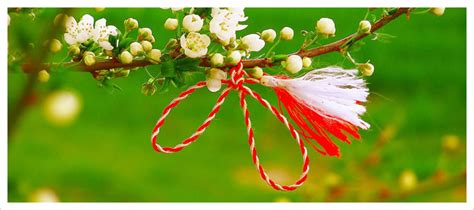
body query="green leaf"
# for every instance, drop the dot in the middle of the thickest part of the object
(178, 81)
(203, 12)
(383, 37)
(124, 43)
(168, 69)
(188, 64)
(164, 87)
(356, 46)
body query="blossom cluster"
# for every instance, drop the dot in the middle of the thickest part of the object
(203, 35)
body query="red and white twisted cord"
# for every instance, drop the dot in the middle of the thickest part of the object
(236, 82)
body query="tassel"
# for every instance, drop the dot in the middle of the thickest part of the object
(324, 100)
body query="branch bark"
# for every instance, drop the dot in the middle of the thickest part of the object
(19, 108)
(262, 62)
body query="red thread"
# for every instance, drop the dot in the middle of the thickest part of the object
(236, 82)
(313, 125)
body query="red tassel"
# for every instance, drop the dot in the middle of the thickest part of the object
(313, 125)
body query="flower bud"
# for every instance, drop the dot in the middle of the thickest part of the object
(268, 35)
(55, 46)
(192, 23)
(217, 60)
(60, 19)
(256, 72)
(367, 69)
(154, 56)
(172, 43)
(233, 58)
(43, 76)
(408, 181)
(286, 33)
(109, 53)
(326, 26)
(44, 195)
(89, 58)
(88, 53)
(307, 62)
(125, 57)
(74, 50)
(252, 43)
(61, 107)
(145, 34)
(293, 64)
(364, 27)
(451, 143)
(146, 45)
(171, 24)
(213, 85)
(99, 9)
(130, 24)
(148, 89)
(438, 11)
(215, 73)
(136, 49)
(176, 9)
(122, 73)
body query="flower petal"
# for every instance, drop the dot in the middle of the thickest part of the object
(182, 42)
(82, 37)
(112, 30)
(106, 45)
(69, 39)
(86, 24)
(71, 25)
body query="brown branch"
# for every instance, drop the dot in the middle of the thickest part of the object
(21, 106)
(262, 62)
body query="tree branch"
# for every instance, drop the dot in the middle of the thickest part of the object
(262, 62)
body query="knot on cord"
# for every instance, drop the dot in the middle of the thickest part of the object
(236, 77)
(236, 82)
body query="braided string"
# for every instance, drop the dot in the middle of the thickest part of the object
(236, 82)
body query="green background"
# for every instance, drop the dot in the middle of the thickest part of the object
(418, 98)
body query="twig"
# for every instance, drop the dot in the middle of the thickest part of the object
(17, 111)
(262, 62)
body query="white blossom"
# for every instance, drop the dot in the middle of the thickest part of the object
(192, 23)
(195, 44)
(225, 22)
(252, 43)
(78, 33)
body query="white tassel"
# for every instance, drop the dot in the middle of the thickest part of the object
(332, 92)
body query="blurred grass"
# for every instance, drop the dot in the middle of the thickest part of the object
(418, 97)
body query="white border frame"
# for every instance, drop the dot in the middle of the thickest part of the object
(255, 3)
